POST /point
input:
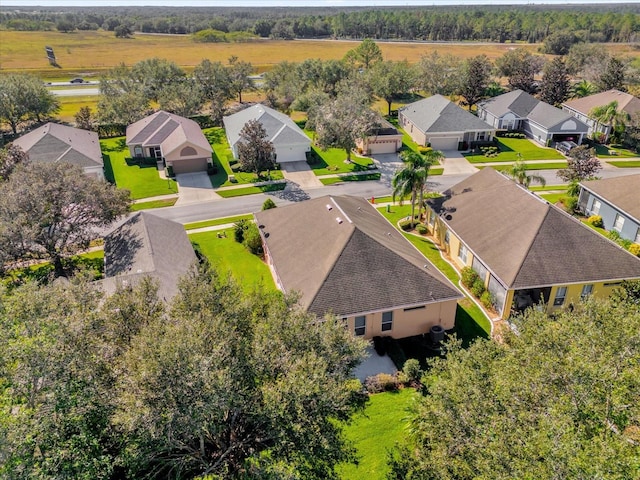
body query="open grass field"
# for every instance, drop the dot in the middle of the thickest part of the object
(374, 431)
(229, 256)
(69, 106)
(511, 147)
(142, 182)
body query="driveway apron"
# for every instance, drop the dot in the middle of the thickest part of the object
(194, 188)
(301, 174)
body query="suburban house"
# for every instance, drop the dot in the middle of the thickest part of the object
(617, 201)
(173, 140)
(527, 251)
(289, 141)
(543, 123)
(147, 245)
(53, 142)
(383, 139)
(343, 257)
(581, 108)
(438, 122)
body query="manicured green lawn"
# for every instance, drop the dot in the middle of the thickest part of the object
(153, 204)
(510, 147)
(553, 198)
(531, 166)
(625, 164)
(436, 171)
(142, 182)
(350, 178)
(216, 221)
(540, 188)
(227, 255)
(470, 319)
(375, 431)
(237, 192)
(332, 160)
(223, 158)
(604, 151)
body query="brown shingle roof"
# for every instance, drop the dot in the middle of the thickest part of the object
(53, 142)
(147, 245)
(362, 264)
(622, 192)
(626, 102)
(525, 241)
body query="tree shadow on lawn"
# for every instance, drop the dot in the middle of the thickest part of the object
(108, 169)
(221, 176)
(118, 146)
(503, 147)
(215, 135)
(466, 328)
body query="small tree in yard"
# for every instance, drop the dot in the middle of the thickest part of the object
(84, 118)
(268, 204)
(582, 164)
(255, 152)
(10, 157)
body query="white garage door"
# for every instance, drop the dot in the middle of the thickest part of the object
(444, 143)
(290, 154)
(383, 147)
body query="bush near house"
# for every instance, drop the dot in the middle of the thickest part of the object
(469, 276)
(595, 220)
(635, 249)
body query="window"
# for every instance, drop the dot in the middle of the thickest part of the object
(446, 237)
(360, 325)
(137, 151)
(586, 291)
(617, 225)
(387, 321)
(480, 136)
(561, 294)
(462, 253)
(595, 208)
(155, 152)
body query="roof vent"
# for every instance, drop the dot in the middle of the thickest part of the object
(339, 220)
(329, 207)
(389, 233)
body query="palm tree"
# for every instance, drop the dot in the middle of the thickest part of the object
(609, 116)
(411, 180)
(520, 174)
(583, 88)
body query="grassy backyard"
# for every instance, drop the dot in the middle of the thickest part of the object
(141, 181)
(374, 431)
(511, 147)
(229, 256)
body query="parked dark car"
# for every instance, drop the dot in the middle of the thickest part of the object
(76, 80)
(565, 147)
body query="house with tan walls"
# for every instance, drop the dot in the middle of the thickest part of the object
(527, 251)
(173, 140)
(344, 258)
(385, 138)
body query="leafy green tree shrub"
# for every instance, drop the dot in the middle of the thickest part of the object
(252, 239)
(382, 382)
(412, 371)
(478, 287)
(469, 276)
(421, 228)
(486, 299)
(268, 204)
(239, 228)
(595, 220)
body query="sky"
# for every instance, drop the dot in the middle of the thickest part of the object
(289, 3)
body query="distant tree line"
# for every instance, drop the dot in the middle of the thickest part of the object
(601, 23)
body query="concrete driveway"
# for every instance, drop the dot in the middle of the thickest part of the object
(194, 188)
(456, 164)
(301, 174)
(387, 164)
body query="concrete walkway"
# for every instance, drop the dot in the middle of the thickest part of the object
(456, 164)
(373, 365)
(194, 188)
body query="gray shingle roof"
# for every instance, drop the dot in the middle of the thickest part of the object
(360, 265)
(279, 127)
(622, 192)
(147, 245)
(626, 102)
(53, 142)
(168, 130)
(525, 241)
(527, 106)
(437, 114)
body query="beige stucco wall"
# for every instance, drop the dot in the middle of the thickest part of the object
(174, 155)
(407, 323)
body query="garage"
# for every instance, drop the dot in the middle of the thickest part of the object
(291, 153)
(189, 165)
(444, 143)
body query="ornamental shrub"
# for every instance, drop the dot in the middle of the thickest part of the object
(382, 382)
(635, 249)
(595, 220)
(478, 287)
(421, 228)
(486, 299)
(268, 204)
(412, 371)
(469, 276)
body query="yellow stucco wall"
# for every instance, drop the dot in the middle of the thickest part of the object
(407, 323)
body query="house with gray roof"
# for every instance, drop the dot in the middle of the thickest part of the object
(147, 246)
(617, 201)
(343, 257)
(384, 138)
(527, 251)
(53, 142)
(173, 140)
(543, 123)
(290, 142)
(581, 108)
(440, 123)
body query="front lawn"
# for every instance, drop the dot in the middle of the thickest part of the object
(237, 192)
(228, 256)
(142, 181)
(170, 202)
(332, 160)
(375, 431)
(217, 221)
(531, 166)
(223, 159)
(625, 164)
(511, 147)
(350, 178)
(614, 151)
